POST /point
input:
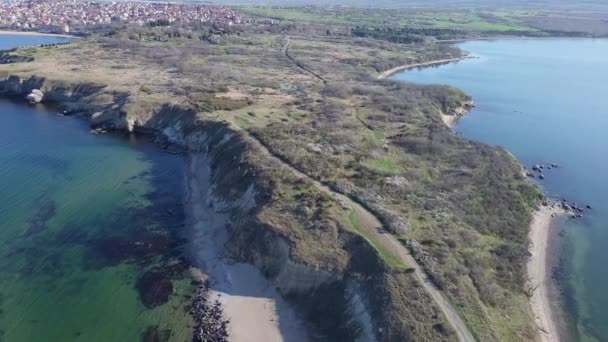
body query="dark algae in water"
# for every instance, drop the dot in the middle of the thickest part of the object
(90, 234)
(38, 223)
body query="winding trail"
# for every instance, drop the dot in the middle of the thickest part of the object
(374, 227)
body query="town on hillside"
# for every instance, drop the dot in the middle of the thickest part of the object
(64, 16)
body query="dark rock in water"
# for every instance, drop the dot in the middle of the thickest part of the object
(530, 174)
(46, 210)
(541, 176)
(588, 206)
(154, 289)
(555, 166)
(154, 334)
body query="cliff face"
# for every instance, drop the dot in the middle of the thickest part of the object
(234, 192)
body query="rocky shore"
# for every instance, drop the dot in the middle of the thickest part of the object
(210, 325)
(451, 117)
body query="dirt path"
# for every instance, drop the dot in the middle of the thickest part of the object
(299, 65)
(372, 225)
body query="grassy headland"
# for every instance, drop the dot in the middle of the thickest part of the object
(310, 94)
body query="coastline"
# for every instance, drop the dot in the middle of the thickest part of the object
(542, 248)
(34, 33)
(390, 72)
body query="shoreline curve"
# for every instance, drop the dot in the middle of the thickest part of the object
(35, 33)
(391, 72)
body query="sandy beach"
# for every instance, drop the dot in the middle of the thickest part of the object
(539, 273)
(251, 303)
(395, 70)
(33, 33)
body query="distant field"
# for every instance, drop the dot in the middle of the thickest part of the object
(539, 4)
(456, 19)
(529, 20)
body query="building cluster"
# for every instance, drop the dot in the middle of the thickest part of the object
(63, 15)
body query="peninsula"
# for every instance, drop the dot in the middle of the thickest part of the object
(323, 198)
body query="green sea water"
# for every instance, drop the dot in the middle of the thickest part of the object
(89, 233)
(546, 101)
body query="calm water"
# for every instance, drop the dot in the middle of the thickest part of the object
(547, 101)
(89, 232)
(8, 41)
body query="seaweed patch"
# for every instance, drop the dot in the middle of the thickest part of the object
(154, 289)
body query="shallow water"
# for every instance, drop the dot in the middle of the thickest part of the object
(546, 101)
(82, 219)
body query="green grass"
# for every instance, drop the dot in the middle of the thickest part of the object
(384, 165)
(296, 14)
(443, 19)
(390, 258)
(243, 121)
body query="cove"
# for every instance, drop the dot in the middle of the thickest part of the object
(90, 231)
(545, 101)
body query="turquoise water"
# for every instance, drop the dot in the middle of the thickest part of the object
(89, 232)
(547, 102)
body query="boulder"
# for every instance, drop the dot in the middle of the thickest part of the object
(35, 96)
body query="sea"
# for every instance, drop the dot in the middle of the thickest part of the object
(546, 101)
(90, 230)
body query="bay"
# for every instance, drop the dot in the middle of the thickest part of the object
(546, 102)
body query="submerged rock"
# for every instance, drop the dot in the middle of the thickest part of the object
(38, 222)
(154, 334)
(154, 289)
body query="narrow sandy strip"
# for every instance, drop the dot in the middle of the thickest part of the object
(34, 33)
(395, 70)
(539, 274)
